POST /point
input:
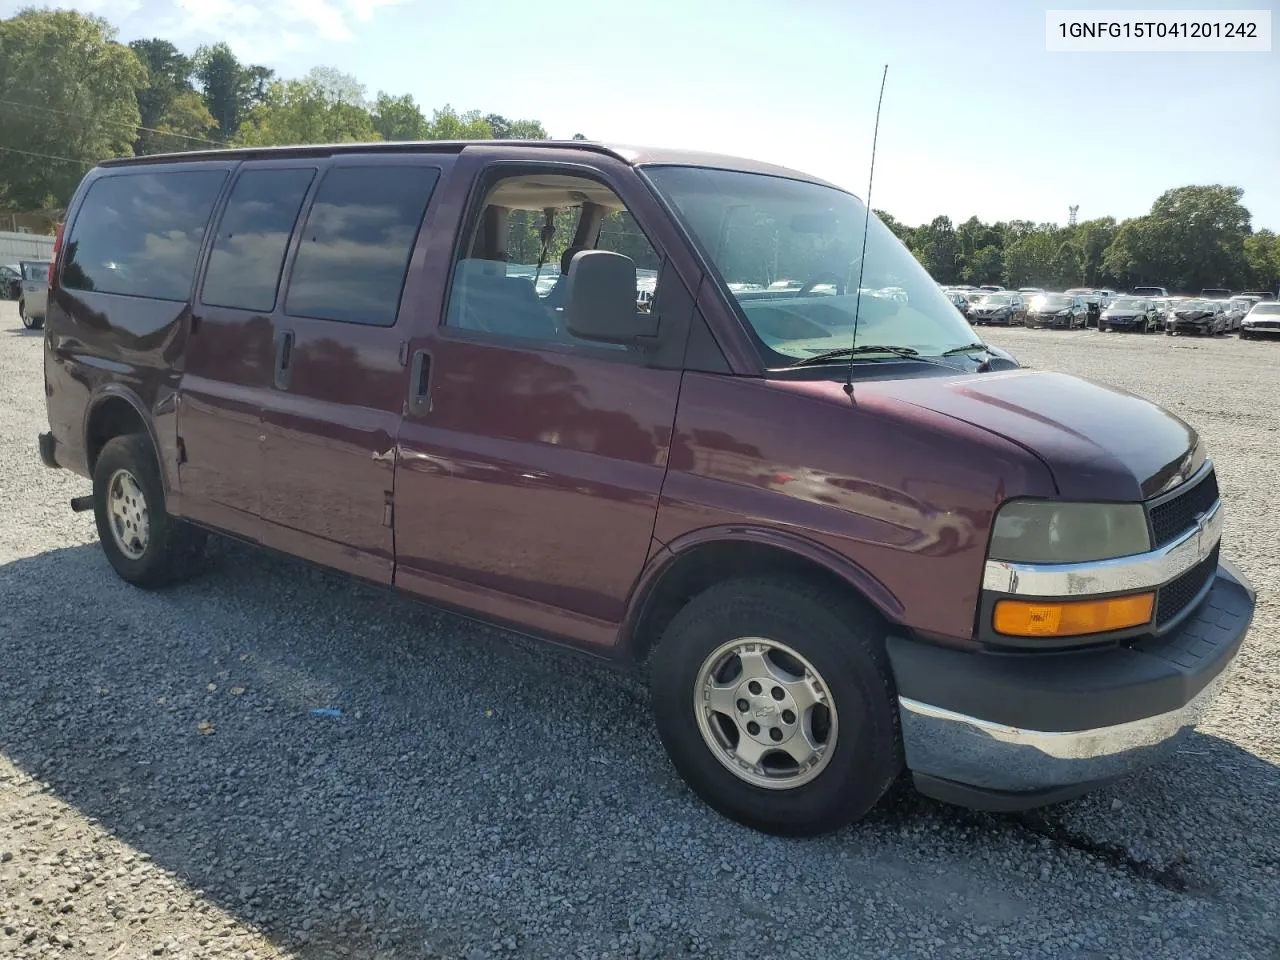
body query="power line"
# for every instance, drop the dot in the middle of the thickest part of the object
(115, 123)
(45, 156)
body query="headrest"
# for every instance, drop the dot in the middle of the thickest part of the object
(567, 257)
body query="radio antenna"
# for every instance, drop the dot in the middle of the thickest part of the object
(866, 222)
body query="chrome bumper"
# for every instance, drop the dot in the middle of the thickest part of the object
(992, 756)
(1022, 730)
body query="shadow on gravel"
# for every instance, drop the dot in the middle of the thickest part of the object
(477, 789)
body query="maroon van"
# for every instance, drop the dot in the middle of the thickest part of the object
(665, 407)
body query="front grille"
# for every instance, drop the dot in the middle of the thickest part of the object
(1177, 515)
(1174, 597)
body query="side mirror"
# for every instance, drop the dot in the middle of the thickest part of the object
(601, 299)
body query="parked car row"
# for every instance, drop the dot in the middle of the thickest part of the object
(1111, 311)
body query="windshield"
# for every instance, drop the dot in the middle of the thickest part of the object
(1055, 300)
(1269, 309)
(996, 299)
(1126, 303)
(1194, 305)
(762, 230)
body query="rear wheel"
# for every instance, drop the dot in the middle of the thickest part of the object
(144, 545)
(775, 702)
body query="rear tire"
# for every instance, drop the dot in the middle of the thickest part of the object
(705, 668)
(145, 546)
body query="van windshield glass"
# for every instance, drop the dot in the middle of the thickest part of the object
(790, 253)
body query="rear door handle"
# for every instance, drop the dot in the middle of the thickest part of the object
(284, 358)
(420, 383)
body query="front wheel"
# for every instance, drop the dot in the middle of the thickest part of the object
(144, 545)
(774, 700)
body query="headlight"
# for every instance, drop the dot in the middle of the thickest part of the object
(1063, 313)
(1028, 531)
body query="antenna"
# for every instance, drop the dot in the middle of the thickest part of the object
(866, 223)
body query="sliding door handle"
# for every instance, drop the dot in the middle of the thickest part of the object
(284, 358)
(420, 383)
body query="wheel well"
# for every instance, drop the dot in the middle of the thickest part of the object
(111, 418)
(706, 565)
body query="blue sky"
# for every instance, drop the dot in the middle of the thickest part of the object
(978, 118)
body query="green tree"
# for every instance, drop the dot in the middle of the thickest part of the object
(230, 88)
(1091, 239)
(185, 125)
(324, 107)
(447, 124)
(1131, 258)
(897, 228)
(168, 76)
(1262, 255)
(983, 266)
(1198, 233)
(76, 90)
(937, 249)
(1030, 259)
(398, 118)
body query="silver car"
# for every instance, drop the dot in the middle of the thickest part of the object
(35, 293)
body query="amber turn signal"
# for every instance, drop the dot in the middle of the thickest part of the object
(1041, 618)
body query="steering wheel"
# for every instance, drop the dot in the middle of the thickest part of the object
(827, 277)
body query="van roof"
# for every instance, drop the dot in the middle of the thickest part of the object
(634, 155)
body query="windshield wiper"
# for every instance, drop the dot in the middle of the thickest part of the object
(968, 347)
(845, 352)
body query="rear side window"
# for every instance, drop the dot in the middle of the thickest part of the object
(249, 247)
(139, 234)
(356, 243)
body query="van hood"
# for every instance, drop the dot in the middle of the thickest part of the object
(1100, 443)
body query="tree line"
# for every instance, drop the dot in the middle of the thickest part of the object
(71, 95)
(1194, 237)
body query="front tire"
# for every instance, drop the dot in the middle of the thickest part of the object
(775, 702)
(145, 546)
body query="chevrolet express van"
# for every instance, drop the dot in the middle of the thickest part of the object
(844, 538)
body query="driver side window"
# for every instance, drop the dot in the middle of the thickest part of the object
(511, 278)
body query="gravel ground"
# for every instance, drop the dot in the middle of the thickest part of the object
(165, 789)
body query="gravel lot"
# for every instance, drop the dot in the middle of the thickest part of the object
(165, 789)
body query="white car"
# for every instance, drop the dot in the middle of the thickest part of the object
(35, 293)
(1262, 321)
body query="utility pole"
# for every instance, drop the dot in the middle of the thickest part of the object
(1071, 214)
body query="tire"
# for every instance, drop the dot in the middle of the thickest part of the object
(841, 639)
(27, 321)
(1142, 327)
(152, 549)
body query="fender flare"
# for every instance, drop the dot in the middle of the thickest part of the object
(662, 560)
(117, 391)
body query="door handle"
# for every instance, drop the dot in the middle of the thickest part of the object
(284, 358)
(420, 383)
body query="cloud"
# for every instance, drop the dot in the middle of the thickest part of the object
(256, 31)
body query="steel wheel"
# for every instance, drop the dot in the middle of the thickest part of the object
(765, 713)
(129, 517)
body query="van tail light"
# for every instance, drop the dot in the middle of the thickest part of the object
(57, 248)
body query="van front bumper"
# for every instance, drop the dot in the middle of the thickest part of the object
(1007, 731)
